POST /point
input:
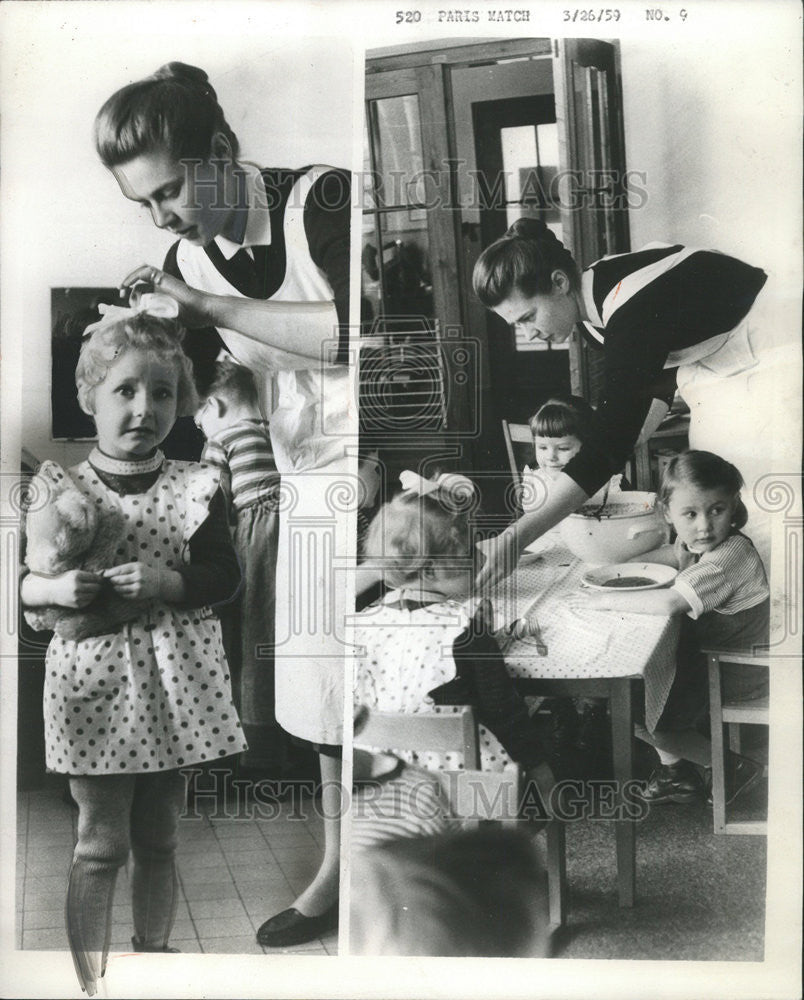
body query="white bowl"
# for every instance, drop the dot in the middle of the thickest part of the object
(628, 526)
(629, 576)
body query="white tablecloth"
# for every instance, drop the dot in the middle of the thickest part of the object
(583, 643)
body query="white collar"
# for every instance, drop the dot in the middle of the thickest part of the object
(258, 222)
(120, 467)
(417, 595)
(587, 281)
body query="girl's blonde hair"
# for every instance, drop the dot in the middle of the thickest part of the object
(412, 531)
(708, 472)
(155, 335)
(474, 893)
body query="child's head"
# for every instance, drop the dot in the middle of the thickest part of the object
(426, 539)
(231, 394)
(700, 496)
(477, 893)
(134, 379)
(560, 427)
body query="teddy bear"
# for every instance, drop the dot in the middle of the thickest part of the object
(71, 532)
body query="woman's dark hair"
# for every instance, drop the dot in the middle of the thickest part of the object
(175, 109)
(523, 260)
(707, 472)
(562, 416)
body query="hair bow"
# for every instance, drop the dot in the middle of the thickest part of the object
(449, 482)
(155, 304)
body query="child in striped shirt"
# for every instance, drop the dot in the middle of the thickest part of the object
(239, 444)
(723, 590)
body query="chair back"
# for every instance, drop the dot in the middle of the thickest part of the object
(516, 434)
(442, 733)
(476, 796)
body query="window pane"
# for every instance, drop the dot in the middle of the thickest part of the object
(530, 167)
(397, 291)
(396, 134)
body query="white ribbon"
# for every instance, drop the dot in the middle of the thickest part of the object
(449, 482)
(155, 304)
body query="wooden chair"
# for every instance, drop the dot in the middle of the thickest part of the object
(517, 434)
(442, 733)
(501, 791)
(732, 714)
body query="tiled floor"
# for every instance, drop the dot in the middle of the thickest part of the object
(234, 874)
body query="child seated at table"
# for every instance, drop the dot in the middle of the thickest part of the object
(560, 427)
(427, 643)
(723, 591)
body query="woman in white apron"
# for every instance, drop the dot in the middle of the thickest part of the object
(263, 256)
(660, 311)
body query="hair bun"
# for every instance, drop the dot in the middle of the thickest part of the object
(191, 76)
(530, 229)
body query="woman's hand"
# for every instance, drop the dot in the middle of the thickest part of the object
(74, 589)
(195, 307)
(501, 555)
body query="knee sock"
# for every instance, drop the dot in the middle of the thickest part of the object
(154, 899)
(155, 811)
(90, 892)
(102, 848)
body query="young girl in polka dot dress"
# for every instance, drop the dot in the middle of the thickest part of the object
(428, 644)
(126, 710)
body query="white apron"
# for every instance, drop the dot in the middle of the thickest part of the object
(745, 403)
(313, 419)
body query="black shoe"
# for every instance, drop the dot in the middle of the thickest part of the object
(139, 946)
(291, 927)
(678, 782)
(742, 773)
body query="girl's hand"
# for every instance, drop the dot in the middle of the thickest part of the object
(135, 580)
(501, 554)
(74, 589)
(587, 600)
(194, 305)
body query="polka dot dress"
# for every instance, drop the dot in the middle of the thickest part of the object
(156, 694)
(400, 656)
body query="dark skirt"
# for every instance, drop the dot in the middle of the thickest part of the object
(248, 629)
(687, 704)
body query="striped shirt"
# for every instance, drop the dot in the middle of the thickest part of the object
(407, 802)
(244, 451)
(655, 307)
(728, 579)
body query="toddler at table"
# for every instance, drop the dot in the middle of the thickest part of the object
(560, 428)
(126, 710)
(427, 643)
(722, 589)
(238, 444)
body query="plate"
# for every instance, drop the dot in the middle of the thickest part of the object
(634, 576)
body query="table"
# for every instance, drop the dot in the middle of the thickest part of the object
(589, 653)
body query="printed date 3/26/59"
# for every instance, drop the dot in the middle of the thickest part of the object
(603, 14)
